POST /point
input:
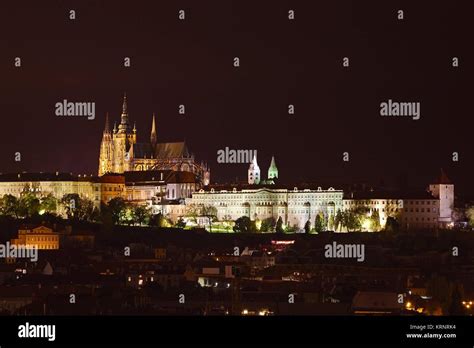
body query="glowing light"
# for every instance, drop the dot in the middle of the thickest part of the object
(245, 312)
(262, 313)
(42, 211)
(408, 305)
(258, 224)
(283, 242)
(366, 224)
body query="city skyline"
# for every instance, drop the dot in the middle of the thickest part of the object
(196, 163)
(336, 107)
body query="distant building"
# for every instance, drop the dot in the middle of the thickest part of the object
(57, 184)
(376, 303)
(294, 205)
(428, 209)
(41, 237)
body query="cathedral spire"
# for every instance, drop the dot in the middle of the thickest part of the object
(124, 104)
(153, 138)
(124, 126)
(107, 125)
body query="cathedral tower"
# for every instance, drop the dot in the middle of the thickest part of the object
(105, 157)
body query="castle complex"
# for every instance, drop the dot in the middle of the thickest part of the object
(166, 178)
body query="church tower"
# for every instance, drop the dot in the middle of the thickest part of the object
(254, 172)
(272, 170)
(122, 138)
(443, 189)
(105, 156)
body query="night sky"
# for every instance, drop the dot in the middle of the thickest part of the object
(282, 62)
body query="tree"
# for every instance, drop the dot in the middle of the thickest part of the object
(338, 220)
(210, 211)
(392, 224)
(180, 223)
(470, 215)
(307, 227)
(331, 222)
(86, 210)
(117, 207)
(268, 225)
(141, 214)
(242, 225)
(318, 223)
(10, 206)
(28, 205)
(70, 203)
(79, 208)
(375, 220)
(192, 212)
(279, 225)
(49, 203)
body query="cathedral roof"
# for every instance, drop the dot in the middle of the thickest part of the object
(171, 150)
(162, 150)
(142, 150)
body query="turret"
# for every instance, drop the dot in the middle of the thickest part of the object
(254, 172)
(273, 170)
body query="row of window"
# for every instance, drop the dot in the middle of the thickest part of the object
(43, 239)
(407, 202)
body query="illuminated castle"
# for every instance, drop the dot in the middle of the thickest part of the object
(120, 152)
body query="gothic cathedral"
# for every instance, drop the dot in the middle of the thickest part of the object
(120, 152)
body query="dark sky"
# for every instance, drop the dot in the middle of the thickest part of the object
(299, 62)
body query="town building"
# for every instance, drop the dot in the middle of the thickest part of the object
(41, 237)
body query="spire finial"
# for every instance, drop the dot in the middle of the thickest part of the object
(107, 125)
(153, 131)
(124, 105)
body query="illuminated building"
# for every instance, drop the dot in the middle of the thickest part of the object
(413, 210)
(41, 237)
(120, 152)
(57, 184)
(294, 205)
